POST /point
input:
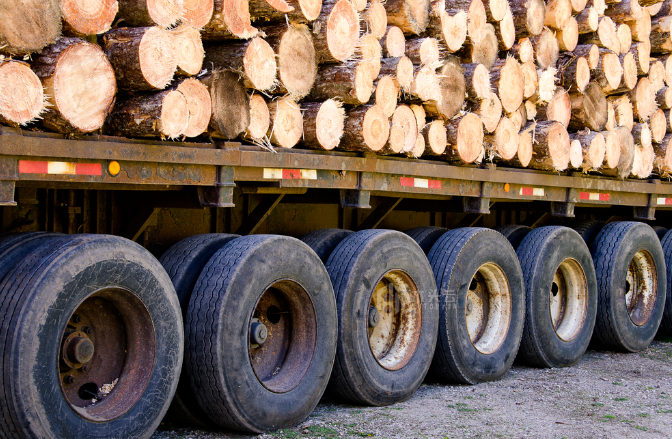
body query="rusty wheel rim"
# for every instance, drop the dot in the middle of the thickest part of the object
(641, 287)
(106, 354)
(282, 336)
(488, 308)
(568, 302)
(394, 320)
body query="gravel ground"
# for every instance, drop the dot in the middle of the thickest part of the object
(606, 394)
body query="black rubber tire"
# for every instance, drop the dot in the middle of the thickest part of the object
(613, 249)
(588, 230)
(455, 258)
(660, 231)
(514, 233)
(665, 329)
(15, 247)
(217, 333)
(184, 262)
(540, 255)
(426, 236)
(324, 241)
(37, 299)
(355, 267)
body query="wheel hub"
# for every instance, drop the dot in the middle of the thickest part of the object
(568, 300)
(78, 349)
(641, 288)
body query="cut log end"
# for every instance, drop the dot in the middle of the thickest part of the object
(188, 49)
(546, 48)
(465, 136)
(158, 58)
(504, 141)
(89, 17)
(375, 129)
(174, 115)
(376, 19)
(589, 109)
(551, 146)
(575, 154)
(21, 93)
(658, 126)
(394, 42)
(297, 64)
(490, 111)
(287, 123)
(387, 93)
(612, 149)
(197, 13)
(403, 130)
(199, 106)
(342, 30)
(525, 148)
(230, 104)
(436, 137)
(260, 119)
(568, 36)
(454, 30)
(329, 124)
(510, 84)
(259, 64)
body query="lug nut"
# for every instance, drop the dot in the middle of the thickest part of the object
(80, 350)
(68, 379)
(470, 306)
(374, 317)
(76, 318)
(258, 333)
(86, 330)
(85, 368)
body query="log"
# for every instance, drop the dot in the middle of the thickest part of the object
(599, 5)
(450, 29)
(348, 82)
(286, 122)
(507, 79)
(79, 83)
(336, 31)
(143, 13)
(530, 79)
(21, 94)
(643, 99)
(559, 108)
(376, 19)
(506, 32)
(592, 149)
(465, 139)
(143, 58)
(568, 36)
(663, 157)
(296, 58)
(254, 58)
(660, 35)
(400, 68)
(546, 85)
(366, 129)
(624, 36)
(420, 115)
(281, 11)
(423, 50)
(452, 90)
(163, 114)
(605, 36)
(530, 110)
(412, 16)
(575, 154)
(629, 77)
(189, 50)
(658, 126)
(589, 109)
(503, 143)
(612, 149)
(668, 71)
(525, 150)
(371, 54)
(230, 19)
(496, 10)
(665, 9)
(643, 158)
(476, 17)
(624, 140)
(546, 48)
(436, 138)
(626, 10)
(558, 13)
(578, 6)
(641, 28)
(664, 98)
(654, 9)
(528, 16)
(199, 106)
(489, 110)
(523, 50)
(611, 117)
(519, 117)
(86, 17)
(668, 114)
(426, 85)
(656, 75)
(589, 51)
(387, 94)
(197, 13)
(609, 71)
(484, 50)
(587, 20)
(574, 73)
(477, 81)
(394, 42)
(641, 53)
(260, 120)
(323, 124)
(418, 149)
(623, 111)
(550, 146)
(403, 131)
(29, 25)
(230, 104)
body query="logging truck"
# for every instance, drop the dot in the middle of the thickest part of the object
(214, 211)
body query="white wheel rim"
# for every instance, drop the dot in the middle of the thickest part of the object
(568, 304)
(641, 288)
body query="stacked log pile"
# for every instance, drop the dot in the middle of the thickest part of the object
(551, 85)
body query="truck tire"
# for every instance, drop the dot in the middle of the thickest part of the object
(387, 317)
(560, 297)
(588, 230)
(260, 333)
(15, 247)
(514, 233)
(184, 262)
(660, 231)
(426, 236)
(631, 285)
(665, 329)
(324, 241)
(477, 342)
(92, 317)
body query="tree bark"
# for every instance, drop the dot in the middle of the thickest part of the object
(163, 114)
(29, 25)
(574, 73)
(254, 57)
(141, 13)
(230, 20)
(412, 16)
(588, 19)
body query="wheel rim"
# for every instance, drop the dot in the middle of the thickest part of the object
(282, 335)
(394, 320)
(568, 300)
(106, 354)
(641, 287)
(488, 308)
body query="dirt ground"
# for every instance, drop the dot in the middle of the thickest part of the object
(607, 394)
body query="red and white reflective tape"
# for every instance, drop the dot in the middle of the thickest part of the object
(664, 200)
(593, 196)
(62, 168)
(420, 182)
(532, 191)
(290, 174)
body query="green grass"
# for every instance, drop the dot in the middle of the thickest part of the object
(609, 417)
(621, 399)
(639, 427)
